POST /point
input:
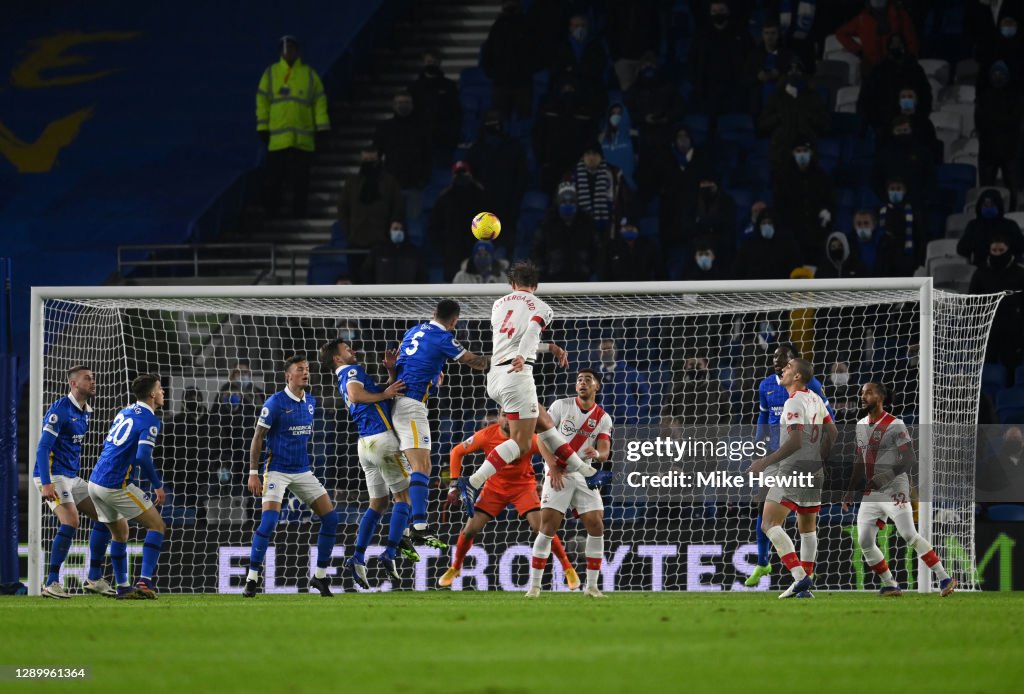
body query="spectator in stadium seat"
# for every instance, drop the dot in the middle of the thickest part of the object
(625, 391)
(998, 114)
(705, 263)
(655, 107)
(804, 200)
(437, 100)
(565, 123)
(547, 20)
(509, 60)
(696, 398)
(838, 261)
(482, 267)
(749, 230)
(989, 223)
(498, 161)
(567, 247)
(920, 123)
(405, 142)
(714, 218)
(618, 142)
(999, 273)
(397, 260)
(291, 114)
(983, 22)
(869, 245)
(1006, 47)
(878, 101)
(240, 389)
(674, 172)
(452, 215)
(900, 223)
(767, 63)
(905, 156)
(718, 55)
(793, 114)
(843, 392)
(600, 189)
(187, 432)
(771, 254)
(633, 30)
(632, 258)
(369, 201)
(582, 54)
(867, 35)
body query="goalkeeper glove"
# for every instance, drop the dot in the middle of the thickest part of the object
(454, 498)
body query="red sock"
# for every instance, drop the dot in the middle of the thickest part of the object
(558, 549)
(791, 561)
(931, 558)
(539, 562)
(880, 568)
(563, 453)
(495, 459)
(593, 563)
(461, 547)
(808, 567)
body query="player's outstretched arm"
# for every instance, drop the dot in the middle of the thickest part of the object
(561, 355)
(480, 362)
(359, 395)
(790, 446)
(389, 362)
(144, 459)
(255, 450)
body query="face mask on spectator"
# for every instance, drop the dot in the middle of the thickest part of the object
(1000, 260)
(244, 380)
(432, 71)
(767, 231)
(1008, 32)
(908, 103)
(720, 19)
(705, 261)
(397, 235)
(482, 262)
(835, 253)
(841, 378)
(895, 196)
(630, 233)
(567, 209)
(802, 158)
(403, 109)
(649, 72)
(683, 144)
(615, 119)
(368, 167)
(233, 399)
(224, 475)
(580, 34)
(865, 233)
(989, 212)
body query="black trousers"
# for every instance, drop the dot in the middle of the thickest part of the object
(287, 168)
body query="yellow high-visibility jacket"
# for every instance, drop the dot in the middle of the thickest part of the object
(292, 105)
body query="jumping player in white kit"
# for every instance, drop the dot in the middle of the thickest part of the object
(517, 320)
(885, 455)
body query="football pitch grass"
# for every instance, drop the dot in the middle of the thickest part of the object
(500, 642)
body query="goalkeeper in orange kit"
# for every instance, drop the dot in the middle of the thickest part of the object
(514, 485)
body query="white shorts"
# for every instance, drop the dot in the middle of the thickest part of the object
(383, 465)
(304, 485)
(70, 490)
(799, 499)
(573, 494)
(515, 393)
(114, 504)
(881, 505)
(410, 419)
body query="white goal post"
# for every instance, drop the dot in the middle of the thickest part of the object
(695, 353)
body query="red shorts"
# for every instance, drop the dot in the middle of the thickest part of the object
(493, 500)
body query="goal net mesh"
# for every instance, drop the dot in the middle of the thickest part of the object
(683, 366)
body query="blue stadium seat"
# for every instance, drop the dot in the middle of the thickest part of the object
(956, 179)
(1010, 405)
(736, 127)
(536, 200)
(847, 197)
(648, 226)
(1003, 513)
(828, 150)
(529, 220)
(1018, 376)
(700, 128)
(847, 124)
(993, 379)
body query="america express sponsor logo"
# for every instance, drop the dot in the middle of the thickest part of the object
(301, 430)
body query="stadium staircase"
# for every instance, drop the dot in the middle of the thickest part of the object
(454, 27)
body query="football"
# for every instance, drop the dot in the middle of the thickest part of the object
(486, 226)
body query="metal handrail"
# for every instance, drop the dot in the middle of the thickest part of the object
(195, 261)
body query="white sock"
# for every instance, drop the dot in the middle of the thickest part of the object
(905, 527)
(872, 555)
(787, 552)
(253, 575)
(573, 463)
(541, 552)
(320, 572)
(595, 555)
(808, 549)
(507, 450)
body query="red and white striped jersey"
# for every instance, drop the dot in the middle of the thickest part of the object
(510, 316)
(581, 428)
(880, 443)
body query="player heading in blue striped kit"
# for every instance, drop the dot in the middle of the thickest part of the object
(286, 423)
(113, 486)
(383, 466)
(424, 351)
(772, 396)
(58, 462)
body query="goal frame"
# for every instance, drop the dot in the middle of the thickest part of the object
(923, 285)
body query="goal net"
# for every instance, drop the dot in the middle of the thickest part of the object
(680, 366)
